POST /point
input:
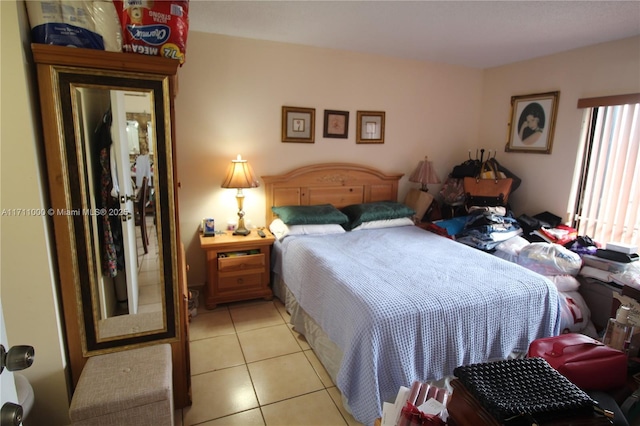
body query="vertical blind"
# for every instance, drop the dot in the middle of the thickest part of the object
(608, 198)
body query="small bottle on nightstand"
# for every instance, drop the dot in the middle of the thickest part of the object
(619, 331)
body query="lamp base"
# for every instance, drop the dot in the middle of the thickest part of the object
(241, 231)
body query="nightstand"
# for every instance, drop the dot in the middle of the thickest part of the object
(238, 267)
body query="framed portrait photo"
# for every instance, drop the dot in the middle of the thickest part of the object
(370, 126)
(298, 124)
(336, 124)
(532, 123)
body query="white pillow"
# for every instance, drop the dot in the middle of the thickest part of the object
(385, 223)
(279, 229)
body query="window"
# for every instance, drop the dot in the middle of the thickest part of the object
(607, 194)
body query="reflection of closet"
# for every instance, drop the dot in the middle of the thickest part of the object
(68, 80)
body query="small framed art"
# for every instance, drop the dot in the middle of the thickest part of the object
(208, 227)
(298, 124)
(532, 124)
(336, 124)
(370, 126)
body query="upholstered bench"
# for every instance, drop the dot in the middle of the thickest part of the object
(131, 387)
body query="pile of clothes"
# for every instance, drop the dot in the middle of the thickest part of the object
(486, 227)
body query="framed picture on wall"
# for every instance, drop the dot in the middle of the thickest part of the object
(370, 126)
(336, 124)
(532, 124)
(298, 124)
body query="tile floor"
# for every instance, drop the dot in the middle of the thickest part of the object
(150, 291)
(249, 367)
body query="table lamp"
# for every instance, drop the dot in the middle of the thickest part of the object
(240, 175)
(424, 174)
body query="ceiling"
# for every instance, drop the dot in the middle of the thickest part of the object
(478, 34)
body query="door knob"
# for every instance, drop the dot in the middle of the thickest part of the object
(17, 358)
(11, 414)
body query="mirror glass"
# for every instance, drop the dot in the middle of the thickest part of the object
(118, 148)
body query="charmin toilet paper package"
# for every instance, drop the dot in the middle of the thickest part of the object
(75, 23)
(157, 28)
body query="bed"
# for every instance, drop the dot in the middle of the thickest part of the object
(387, 305)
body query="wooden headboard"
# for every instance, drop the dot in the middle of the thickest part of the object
(340, 184)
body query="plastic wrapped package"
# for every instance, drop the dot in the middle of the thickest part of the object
(550, 259)
(510, 249)
(75, 23)
(107, 24)
(156, 28)
(629, 277)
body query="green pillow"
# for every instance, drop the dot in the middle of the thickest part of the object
(320, 214)
(380, 210)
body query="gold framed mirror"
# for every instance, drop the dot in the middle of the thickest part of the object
(80, 90)
(125, 285)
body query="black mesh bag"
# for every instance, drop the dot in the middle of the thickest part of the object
(517, 391)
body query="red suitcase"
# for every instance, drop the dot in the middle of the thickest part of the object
(586, 362)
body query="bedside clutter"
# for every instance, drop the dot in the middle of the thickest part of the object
(606, 283)
(522, 392)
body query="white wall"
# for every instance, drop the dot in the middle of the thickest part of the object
(27, 282)
(230, 99)
(601, 70)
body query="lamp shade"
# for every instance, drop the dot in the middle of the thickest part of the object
(240, 175)
(424, 174)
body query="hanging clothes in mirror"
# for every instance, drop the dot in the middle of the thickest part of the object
(110, 228)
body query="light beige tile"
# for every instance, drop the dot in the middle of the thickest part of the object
(319, 369)
(149, 277)
(336, 396)
(312, 409)
(283, 377)
(215, 353)
(255, 315)
(282, 309)
(150, 261)
(302, 341)
(152, 307)
(246, 418)
(149, 294)
(219, 393)
(268, 342)
(212, 323)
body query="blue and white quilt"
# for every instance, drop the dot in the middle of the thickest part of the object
(404, 304)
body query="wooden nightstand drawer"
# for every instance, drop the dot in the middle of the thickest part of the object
(238, 267)
(241, 263)
(244, 282)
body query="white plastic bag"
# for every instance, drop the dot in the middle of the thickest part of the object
(574, 312)
(550, 259)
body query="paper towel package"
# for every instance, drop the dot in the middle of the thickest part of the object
(75, 23)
